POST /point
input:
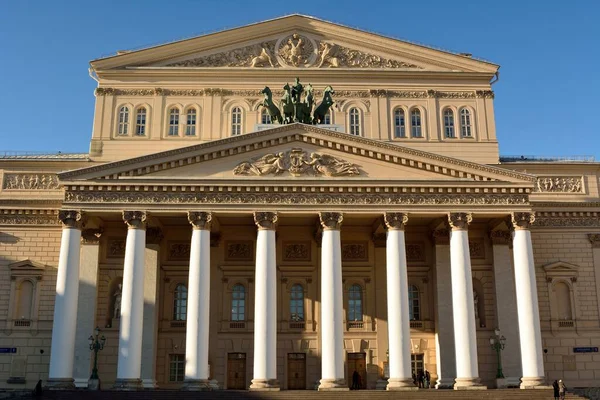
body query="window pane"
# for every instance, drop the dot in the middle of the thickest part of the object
(174, 122)
(354, 122)
(415, 123)
(180, 303)
(236, 121)
(414, 308)
(297, 303)
(465, 122)
(123, 121)
(265, 118)
(399, 123)
(448, 123)
(190, 126)
(327, 119)
(238, 303)
(355, 303)
(177, 368)
(140, 123)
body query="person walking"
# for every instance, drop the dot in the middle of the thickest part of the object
(555, 387)
(562, 389)
(355, 380)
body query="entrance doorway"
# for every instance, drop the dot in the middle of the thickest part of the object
(417, 366)
(296, 371)
(357, 362)
(236, 371)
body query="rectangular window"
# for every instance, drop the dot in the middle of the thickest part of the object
(190, 126)
(174, 122)
(177, 368)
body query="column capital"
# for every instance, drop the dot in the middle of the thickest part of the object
(594, 240)
(135, 219)
(265, 220)
(331, 220)
(459, 221)
(522, 220)
(200, 219)
(71, 218)
(441, 236)
(395, 221)
(501, 237)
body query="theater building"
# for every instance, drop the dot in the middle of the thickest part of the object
(219, 244)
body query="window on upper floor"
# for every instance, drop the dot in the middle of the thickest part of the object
(354, 121)
(355, 303)
(399, 123)
(190, 122)
(236, 121)
(174, 122)
(448, 123)
(140, 121)
(465, 123)
(415, 123)
(297, 303)
(265, 118)
(180, 303)
(238, 303)
(327, 119)
(414, 305)
(123, 121)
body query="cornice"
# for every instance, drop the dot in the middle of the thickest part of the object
(29, 217)
(566, 219)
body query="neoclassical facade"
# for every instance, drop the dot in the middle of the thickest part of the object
(217, 248)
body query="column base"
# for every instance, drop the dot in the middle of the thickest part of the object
(333, 385)
(60, 384)
(93, 384)
(401, 384)
(536, 382)
(203, 385)
(264, 385)
(128, 384)
(445, 383)
(381, 384)
(149, 384)
(508, 383)
(468, 384)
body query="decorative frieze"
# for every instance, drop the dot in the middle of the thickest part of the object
(115, 248)
(559, 184)
(459, 221)
(522, 220)
(331, 220)
(296, 251)
(248, 56)
(415, 252)
(395, 220)
(29, 217)
(135, 219)
(477, 248)
(567, 219)
(355, 251)
(266, 220)
(70, 218)
(200, 220)
(179, 250)
(30, 182)
(241, 250)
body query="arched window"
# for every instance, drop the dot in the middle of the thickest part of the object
(465, 122)
(265, 118)
(25, 300)
(236, 121)
(327, 119)
(238, 303)
(123, 121)
(354, 122)
(297, 303)
(140, 122)
(399, 123)
(563, 300)
(190, 122)
(414, 306)
(180, 303)
(174, 122)
(355, 312)
(415, 123)
(448, 123)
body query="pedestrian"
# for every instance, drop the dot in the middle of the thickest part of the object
(38, 391)
(427, 379)
(420, 379)
(562, 389)
(355, 380)
(555, 387)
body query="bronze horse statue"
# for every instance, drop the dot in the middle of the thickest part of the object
(323, 108)
(287, 105)
(270, 106)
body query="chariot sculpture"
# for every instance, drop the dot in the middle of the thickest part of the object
(296, 104)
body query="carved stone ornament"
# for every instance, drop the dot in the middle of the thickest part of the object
(594, 240)
(567, 219)
(296, 251)
(265, 220)
(179, 250)
(395, 220)
(70, 218)
(256, 55)
(441, 236)
(333, 56)
(415, 252)
(522, 220)
(135, 219)
(91, 236)
(477, 248)
(501, 237)
(297, 163)
(459, 221)
(30, 182)
(29, 217)
(241, 250)
(331, 220)
(559, 184)
(296, 50)
(116, 248)
(200, 219)
(357, 251)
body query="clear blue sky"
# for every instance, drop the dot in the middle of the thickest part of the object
(549, 52)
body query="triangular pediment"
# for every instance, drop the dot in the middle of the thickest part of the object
(26, 267)
(292, 42)
(297, 152)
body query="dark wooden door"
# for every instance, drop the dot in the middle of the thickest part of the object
(296, 371)
(357, 362)
(236, 371)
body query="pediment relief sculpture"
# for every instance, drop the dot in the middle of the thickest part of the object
(298, 163)
(295, 51)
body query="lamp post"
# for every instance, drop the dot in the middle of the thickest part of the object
(96, 344)
(497, 342)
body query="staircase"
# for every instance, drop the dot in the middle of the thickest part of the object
(512, 394)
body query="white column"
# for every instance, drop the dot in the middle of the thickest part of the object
(506, 308)
(64, 324)
(265, 305)
(527, 303)
(465, 337)
(150, 324)
(198, 312)
(132, 303)
(332, 307)
(397, 304)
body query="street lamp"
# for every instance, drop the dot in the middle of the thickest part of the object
(96, 344)
(497, 342)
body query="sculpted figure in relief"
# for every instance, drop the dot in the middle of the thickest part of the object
(327, 165)
(117, 307)
(260, 60)
(267, 164)
(327, 56)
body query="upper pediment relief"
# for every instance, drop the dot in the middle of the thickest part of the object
(296, 50)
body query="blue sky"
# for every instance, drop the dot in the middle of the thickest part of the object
(549, 52)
